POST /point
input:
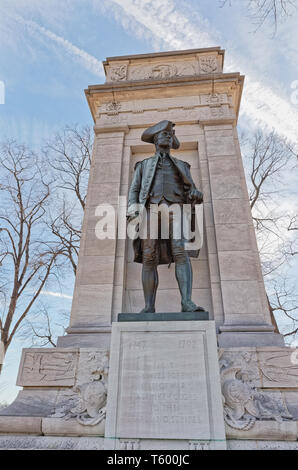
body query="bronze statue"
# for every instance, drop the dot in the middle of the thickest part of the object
(163, 179)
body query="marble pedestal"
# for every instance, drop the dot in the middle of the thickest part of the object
(164, 386)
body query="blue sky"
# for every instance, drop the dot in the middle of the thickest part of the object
(50, 51)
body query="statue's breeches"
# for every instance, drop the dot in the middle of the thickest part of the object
(151, 246)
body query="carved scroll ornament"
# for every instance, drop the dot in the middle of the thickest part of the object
(243, 403)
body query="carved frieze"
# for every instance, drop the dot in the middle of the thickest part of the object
(208, 64)
(118, 73)
(113, 107)
(216, 112)
(163, 68)
(92, 364)
(162, 71)
(277, 368)
(214, 98)
(244, 403)
(246, 361)
(47, 367)
(86, 402)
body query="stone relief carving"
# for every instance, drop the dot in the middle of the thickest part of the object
(137, 110)
(48, 368)
(159, 71)
(187, 70)
(215, 98)
(205, 64)
(208, 64)
(118, 73)
(113, 107)
(216, 111)
(162, 71)
(86, 402)
(276, 367)
(243, 402)
(247, 361)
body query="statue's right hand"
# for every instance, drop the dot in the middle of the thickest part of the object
(133, 216)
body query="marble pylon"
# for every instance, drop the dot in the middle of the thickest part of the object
(64, 396)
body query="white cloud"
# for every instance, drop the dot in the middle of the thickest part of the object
(88, 61)
(260, 102)
(56, 294)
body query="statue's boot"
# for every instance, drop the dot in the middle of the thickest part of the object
(148, 310)
(190, 306)
(183, 273)
(150, 284)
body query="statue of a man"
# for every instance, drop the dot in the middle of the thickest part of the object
(163, 179)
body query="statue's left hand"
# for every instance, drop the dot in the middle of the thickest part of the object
(195, 196)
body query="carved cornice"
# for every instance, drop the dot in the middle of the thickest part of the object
(136, 91)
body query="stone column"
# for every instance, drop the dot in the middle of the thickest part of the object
(246, 313)
(190, 89)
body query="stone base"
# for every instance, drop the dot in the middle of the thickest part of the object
(165, 444)
(232, 336)
(84, 340)
(54, 378)
(164, 385)
(64, 393)
(41, 426)
(82, 336)
(170, 316)
(266, 430)
(261, 445)
(13, 442)
(20, 425)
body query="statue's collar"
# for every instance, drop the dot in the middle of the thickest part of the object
(160, 154)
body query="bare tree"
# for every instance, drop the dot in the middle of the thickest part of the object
(69, 154)
(262, 11)
(41, 328)
(27, 257)
(284, 299)
(65, 227)
(269, 160)
(293, 227)
(43, 334)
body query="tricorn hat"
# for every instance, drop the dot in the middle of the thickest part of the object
(148, 134)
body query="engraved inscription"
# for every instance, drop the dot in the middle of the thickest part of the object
(163, 386)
